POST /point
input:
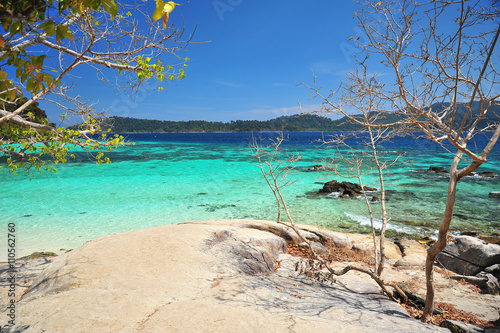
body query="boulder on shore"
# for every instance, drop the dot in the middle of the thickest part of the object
(466, 251)
(470, 256)
(345, 188)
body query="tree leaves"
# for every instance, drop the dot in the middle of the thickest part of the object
(25, 70)
(49, 27)
(6, 24)
(163, 10)
(111, 7)
(21, 13)
(158, 13)
(15, 27)
(47, 78)
(30, 85)
(62, 32)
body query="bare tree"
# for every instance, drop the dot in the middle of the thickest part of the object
(366, 158)
(440, 78)
(361, 96)
(276, 167)
(119, 42)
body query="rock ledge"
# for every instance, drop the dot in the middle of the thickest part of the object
(212, 276)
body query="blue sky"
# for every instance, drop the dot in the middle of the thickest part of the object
(254, 54)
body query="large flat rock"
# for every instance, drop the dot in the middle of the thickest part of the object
(213, 276)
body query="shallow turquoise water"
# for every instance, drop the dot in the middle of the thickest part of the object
(173, 178)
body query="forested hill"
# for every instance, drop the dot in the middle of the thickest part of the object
(295, 123)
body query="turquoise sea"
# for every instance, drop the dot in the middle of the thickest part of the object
(172, 178)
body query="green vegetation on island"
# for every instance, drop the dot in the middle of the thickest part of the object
(294, 123)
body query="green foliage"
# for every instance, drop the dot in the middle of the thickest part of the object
(157, 70)
(40, 146)
(28, 71)
(27, 139)
(287, 123)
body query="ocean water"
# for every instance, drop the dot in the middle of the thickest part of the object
(172, 178)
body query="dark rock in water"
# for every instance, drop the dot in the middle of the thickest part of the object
(316, 168)
(487, 174)
(375, 199)
(331, 186)
(495, 194)
(461, 327)
(213, 208)
(350, 192)
(345, 188)
(469, 255)
(437, 169)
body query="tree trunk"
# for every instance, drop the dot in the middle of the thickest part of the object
(384, 218)
(434, 250)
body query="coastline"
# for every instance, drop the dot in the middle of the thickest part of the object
(158, 182)
(391, 235)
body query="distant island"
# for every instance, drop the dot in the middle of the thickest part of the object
(294, 123)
